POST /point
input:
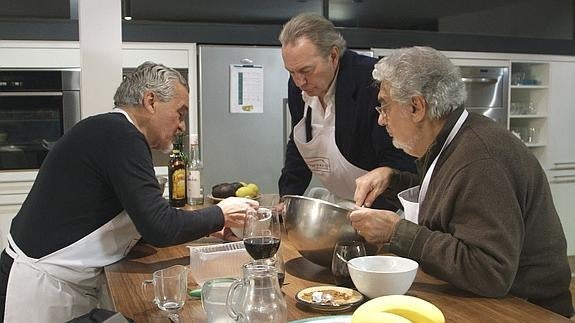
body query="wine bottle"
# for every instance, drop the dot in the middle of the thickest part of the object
(177, 174)
(195, 189)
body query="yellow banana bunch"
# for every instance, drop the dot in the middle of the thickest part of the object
(397, 309)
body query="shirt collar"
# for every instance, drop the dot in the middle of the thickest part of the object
(329, 97)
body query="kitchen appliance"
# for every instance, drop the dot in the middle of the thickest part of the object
(242, 145)
(487, 91)
(36, 108)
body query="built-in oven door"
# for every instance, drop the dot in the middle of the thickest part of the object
(29, 124)
(36, 108)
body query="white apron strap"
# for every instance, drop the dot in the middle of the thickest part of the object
(412, 198)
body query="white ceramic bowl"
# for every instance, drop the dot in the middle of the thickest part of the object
(376, 276)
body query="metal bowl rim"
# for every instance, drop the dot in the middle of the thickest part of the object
(317, 200)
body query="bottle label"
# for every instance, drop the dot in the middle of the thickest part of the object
(194, 184)
(179, 184)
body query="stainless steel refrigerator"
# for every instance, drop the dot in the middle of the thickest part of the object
(241, 145)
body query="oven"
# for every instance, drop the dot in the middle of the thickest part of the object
(36, 108)
(487, 91)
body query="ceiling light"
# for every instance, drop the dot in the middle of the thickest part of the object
(127, 9)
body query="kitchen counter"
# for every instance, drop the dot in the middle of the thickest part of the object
(124, 281)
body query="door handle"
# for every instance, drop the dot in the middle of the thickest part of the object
(479, 80)
(31, 94)
(570, 165)
(563, 179)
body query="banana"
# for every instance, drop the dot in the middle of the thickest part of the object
(414, 309)
(378, 317)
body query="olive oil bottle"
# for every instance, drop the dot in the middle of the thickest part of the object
(177, 174)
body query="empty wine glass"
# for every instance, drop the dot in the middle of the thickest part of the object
(262, 232)
(346, 250)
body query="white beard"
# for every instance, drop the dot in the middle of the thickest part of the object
(407, 147)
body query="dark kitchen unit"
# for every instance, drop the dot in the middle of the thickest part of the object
(36, 108)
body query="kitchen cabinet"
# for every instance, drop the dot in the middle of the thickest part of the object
(14, 186)
(561, 149)
(528, 104)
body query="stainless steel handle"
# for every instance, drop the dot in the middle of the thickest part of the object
(563, 166)
(563, 179)
(479, 80)
(31, 94)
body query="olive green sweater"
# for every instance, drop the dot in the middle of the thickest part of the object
(488, 224)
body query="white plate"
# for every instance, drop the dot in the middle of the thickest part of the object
(326, 319)
(304, 297)
(218, 199)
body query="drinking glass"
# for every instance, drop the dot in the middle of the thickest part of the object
(347, 250)
(275, 261)
(170, 287)
(214, 296)
(262, 232)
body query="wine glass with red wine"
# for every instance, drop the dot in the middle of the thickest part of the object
(262, 233)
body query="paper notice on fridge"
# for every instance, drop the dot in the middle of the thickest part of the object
(246, 88)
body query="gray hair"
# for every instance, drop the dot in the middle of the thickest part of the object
(320, 31)
(149, 76)
(422, 71)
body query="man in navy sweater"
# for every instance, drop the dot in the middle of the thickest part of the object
(95, 195)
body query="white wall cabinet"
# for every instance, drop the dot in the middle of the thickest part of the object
(528, 105)
(561, 148)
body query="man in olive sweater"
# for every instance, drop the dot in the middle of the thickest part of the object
(482, 217)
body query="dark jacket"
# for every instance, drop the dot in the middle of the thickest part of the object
(358, 137)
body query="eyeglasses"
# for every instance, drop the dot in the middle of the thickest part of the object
(383, 109)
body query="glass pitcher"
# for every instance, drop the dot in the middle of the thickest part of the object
(262, 299)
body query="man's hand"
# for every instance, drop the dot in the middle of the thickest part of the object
(376, 226)
(371, 185)
(225, 234)
(234, 209)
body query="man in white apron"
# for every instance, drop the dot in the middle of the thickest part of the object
(482, 217)
(93, 198)
(331, 98)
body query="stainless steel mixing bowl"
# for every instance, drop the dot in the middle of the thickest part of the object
(314, 227)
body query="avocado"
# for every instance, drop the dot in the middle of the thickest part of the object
(223, 190)
(237, 185)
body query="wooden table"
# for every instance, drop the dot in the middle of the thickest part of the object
(124, 281)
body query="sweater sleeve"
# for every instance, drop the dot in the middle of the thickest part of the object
(134, 182)
(473, 237)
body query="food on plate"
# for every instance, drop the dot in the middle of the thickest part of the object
(239, 189)
(328, 296)
(411, 308)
